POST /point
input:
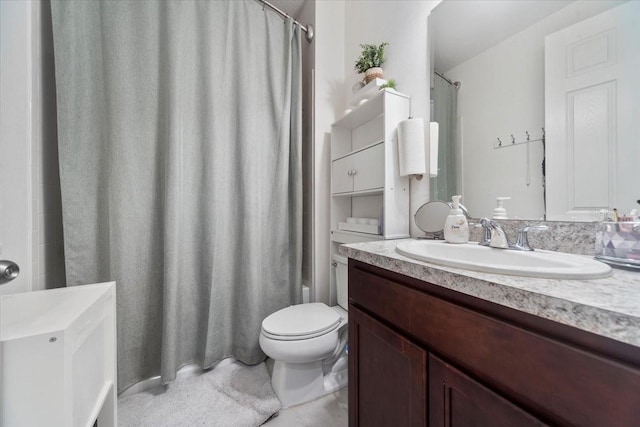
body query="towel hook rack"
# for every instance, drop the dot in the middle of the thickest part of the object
(524, 138)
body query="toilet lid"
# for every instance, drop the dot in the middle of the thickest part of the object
(301, 321)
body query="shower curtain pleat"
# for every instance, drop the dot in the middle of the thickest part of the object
(180, 164)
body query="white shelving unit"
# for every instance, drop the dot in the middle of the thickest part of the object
(364, 170)
(59, 357)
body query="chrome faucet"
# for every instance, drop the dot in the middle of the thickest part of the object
(522, 241)
(495, 236)
(464, 210)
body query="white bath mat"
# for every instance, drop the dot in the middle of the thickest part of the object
(231, 394)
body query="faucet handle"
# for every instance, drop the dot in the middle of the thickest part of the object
(485, 223)
(522, 241)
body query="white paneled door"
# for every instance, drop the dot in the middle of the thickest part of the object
(592, 108)
(15, 141)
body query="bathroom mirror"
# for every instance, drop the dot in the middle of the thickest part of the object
(431, 217)
(495, 52)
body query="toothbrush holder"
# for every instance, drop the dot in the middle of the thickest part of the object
(618, 243)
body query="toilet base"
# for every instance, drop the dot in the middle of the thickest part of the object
(338, 375)
(296, 383)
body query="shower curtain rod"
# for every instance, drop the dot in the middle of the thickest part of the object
(307, 29)
(439, 74)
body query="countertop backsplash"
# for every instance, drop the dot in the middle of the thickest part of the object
(562, 236)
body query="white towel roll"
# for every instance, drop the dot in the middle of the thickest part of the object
(411, 151)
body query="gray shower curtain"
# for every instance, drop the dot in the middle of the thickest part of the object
(445, 112)
(180, 143)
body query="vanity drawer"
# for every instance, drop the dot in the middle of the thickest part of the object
(388, 300)
(562, 383)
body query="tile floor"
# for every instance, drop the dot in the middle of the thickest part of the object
(328, 411)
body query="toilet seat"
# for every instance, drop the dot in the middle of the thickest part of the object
(301, 322)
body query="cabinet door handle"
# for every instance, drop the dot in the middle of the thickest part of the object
(354, 172)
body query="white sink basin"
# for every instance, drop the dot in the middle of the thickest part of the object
(539, 263)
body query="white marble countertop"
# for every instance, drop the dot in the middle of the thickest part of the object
(609, 307)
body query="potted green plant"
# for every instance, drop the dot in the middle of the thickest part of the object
(391, 84)
(370, 61)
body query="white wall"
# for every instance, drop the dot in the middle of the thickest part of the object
(502, 93)
(328, 105)
(16, 116)
(403, 24)
(495, 104)
(32, 113)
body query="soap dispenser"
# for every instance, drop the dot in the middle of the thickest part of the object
(456, 228)
(500, 212)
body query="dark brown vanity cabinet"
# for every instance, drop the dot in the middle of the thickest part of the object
(455, 400)
(391, 388)
(420, 354)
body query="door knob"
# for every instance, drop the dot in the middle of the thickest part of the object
(9, 270)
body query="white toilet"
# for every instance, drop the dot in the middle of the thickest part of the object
(307, 343)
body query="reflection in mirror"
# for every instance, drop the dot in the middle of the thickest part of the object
(496, 50)
(591, 109)
(444, 100)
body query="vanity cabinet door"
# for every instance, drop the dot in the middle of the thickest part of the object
(455, 400)
(368, 167)
(387, 375)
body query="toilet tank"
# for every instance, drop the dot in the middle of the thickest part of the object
(342, 288)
